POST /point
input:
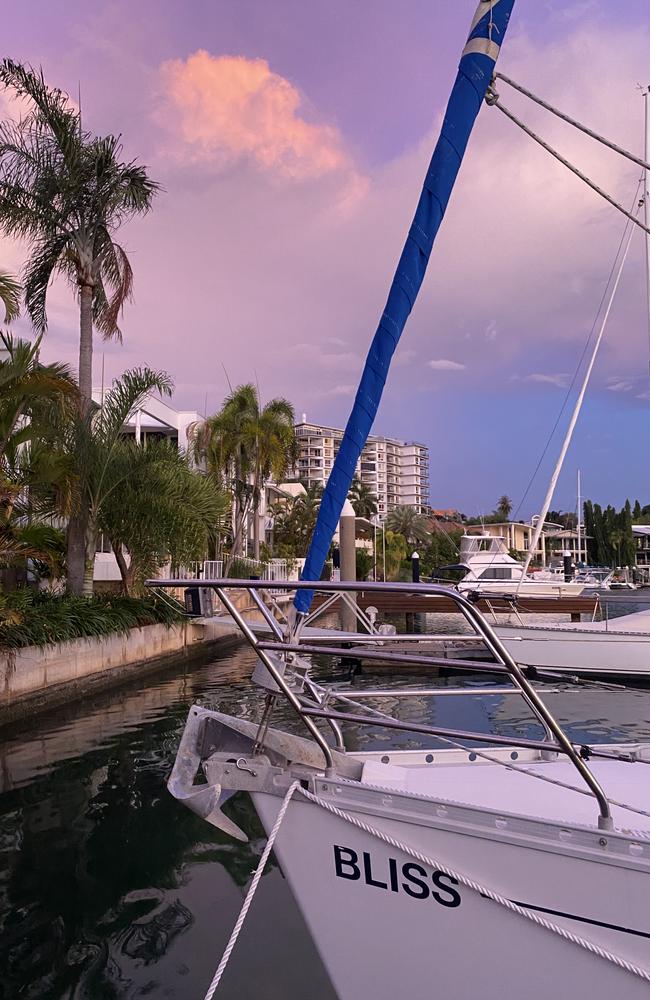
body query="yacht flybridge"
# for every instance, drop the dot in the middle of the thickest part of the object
(467, 864)
(490, 569)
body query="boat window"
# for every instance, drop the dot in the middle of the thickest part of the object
(496, 573)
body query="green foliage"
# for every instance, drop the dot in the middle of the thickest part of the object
(293, 522)
(610, 541)
(395, 547)
(95, 445)
(246, 444)
(9, 296)
(365, 564)
(36, 478)
(441, 550)
(504, 507)
(406, 521)
(161, 509)
(33, 618)
(64, 191)
(362, 499)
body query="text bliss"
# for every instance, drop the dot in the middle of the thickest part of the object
(410, 878)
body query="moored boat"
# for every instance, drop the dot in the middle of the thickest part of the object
(478, 864)
(491, 570)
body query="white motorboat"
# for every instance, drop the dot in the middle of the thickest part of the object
(490, 569)
(518, 868)
(595, 578)
(615, 646)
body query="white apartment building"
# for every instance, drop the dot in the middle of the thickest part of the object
(396, 472)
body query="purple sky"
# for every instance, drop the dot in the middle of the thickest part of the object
(291, 139)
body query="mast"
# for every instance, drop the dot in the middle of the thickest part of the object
(475, 71)
(579, 522)
(646, 198)
(574, 416)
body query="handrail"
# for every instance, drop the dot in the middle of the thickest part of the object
(467, 609)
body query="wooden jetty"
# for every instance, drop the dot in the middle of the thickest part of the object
(404, 604)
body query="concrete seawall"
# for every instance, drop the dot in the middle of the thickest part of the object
(37, 678)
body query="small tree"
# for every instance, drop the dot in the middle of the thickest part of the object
(94, 443)
(162, 511)
(36, 477)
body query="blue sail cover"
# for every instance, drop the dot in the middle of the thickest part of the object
(474, 74)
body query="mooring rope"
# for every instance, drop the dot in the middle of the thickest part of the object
(232, 941)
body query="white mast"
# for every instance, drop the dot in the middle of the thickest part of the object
(579, 522)
(574, 417)
(646, 196)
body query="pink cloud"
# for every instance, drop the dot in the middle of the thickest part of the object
(227, 108)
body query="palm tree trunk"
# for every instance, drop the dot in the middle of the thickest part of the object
(78, 526)
(76, 553)
(86, 346)
(89, 558)
(126, 572)
(256, 517)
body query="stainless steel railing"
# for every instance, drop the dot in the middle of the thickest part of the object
(289, 642)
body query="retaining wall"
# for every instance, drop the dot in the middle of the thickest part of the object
(39, 677)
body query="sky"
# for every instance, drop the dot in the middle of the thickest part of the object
(291, 139)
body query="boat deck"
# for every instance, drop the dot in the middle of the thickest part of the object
(489, 786)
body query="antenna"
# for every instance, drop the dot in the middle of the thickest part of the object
(227, 378)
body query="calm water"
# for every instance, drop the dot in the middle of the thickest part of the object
(109, 888)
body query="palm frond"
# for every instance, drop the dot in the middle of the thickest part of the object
(9, 296)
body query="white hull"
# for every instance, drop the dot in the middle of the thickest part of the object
(529, 588)
(387, 930)
(618, 648)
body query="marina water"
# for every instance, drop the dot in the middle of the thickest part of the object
(111, 889)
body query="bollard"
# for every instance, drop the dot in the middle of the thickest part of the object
(347, 542)
(415, 567)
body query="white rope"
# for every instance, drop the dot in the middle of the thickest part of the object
(251, 892)
(493, 100)
(572, 121)
(469, 883)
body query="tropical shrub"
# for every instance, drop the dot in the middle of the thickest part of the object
(36, 618)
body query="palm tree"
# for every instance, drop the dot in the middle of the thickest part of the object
(504, 507)
(65, 192)
(363, 499)
(407, 522)
(95, 446)
(9, 296)
(36, 477)
(294, 520)
(162, 510)
(247, 444)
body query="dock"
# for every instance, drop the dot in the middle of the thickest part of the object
(403, 604)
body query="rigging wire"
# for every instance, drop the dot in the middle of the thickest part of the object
(581, 359)
(492, 99)
(572, 121)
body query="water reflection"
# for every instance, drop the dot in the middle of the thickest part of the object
(109, 888)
